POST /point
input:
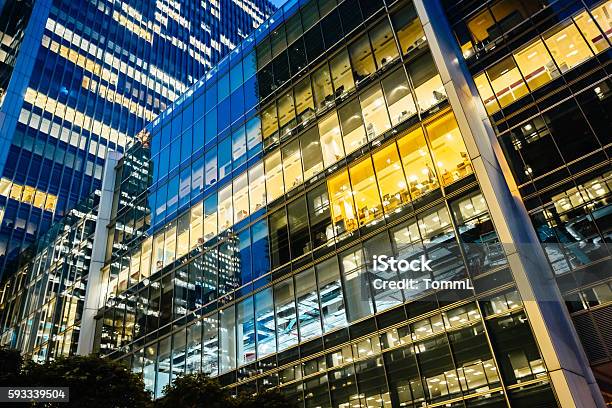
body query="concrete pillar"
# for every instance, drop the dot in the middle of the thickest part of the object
(563, 355)
(98, 253)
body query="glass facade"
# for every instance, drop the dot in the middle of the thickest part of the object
(42, 303)
(542, 71)
(246, 252)
(90, 76)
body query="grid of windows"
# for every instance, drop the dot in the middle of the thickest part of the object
(253, 258)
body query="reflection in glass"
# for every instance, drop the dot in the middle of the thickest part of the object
(361, 58)
(312, 158)
(323, 90)
(342, 76)
(399, 98)
(375, 113)
(383, 43)
(274, 176)
(331, 141)
(353, 132)
(285, 311)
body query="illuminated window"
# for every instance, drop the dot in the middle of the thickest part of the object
(50, 202)
(286, 112)
(241, 197)
(292, 165)
(303, 100)
(16, 191)
(210, 217)
(312, 159)
(135, 267)
(399, 98)
(257, 187)
(343, 209)
(408, 28)
(28, 194)
(602, 14)
(225, 208)
(361, 58)
(170, 244)
(507, 82)
(323, 91)
(158, 252)
(486, 93)
(353, 132)
(182, 243)
(145, 258)
(383, 43)
(365, 192)
(375, 113)
(331, 141)
(536, 65)
(390, 176)
(417, 163)
(196, 225)
(450, 155)
(269, 121)
(567, 46)
(342, 75)
(5, 187)
(274, 176)
(428, 87)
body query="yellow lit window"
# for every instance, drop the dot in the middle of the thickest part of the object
(375, 113)
(342, 76)
(241, 197)
(195, 225)
(16, 191)
(535, 63)
(257, 187)
(225, 208)
(51, 202)
(135, 267)
(417, 162)
(390, 176)
(182, 242)
(286, 112)
(353, 132)
(5, 187)
(28, 194)
(292, 165)
(312, 157)
(39, 199)
(449, 152)
(122, 283)
(170, 244)
(486, 93)
(210, 217)
(567, 46)
(343, 209)
(274, 176)
(399, 98)
(158, 252)
(507, 82)
(331, 141)
(269, 121)
(603, 16)
(303, 100)
(365, 192)
(145, 258)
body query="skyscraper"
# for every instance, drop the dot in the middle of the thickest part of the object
(80, 78)
(244, 224)
(337, 133)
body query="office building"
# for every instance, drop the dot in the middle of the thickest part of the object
(246, 219)
(80, 78)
